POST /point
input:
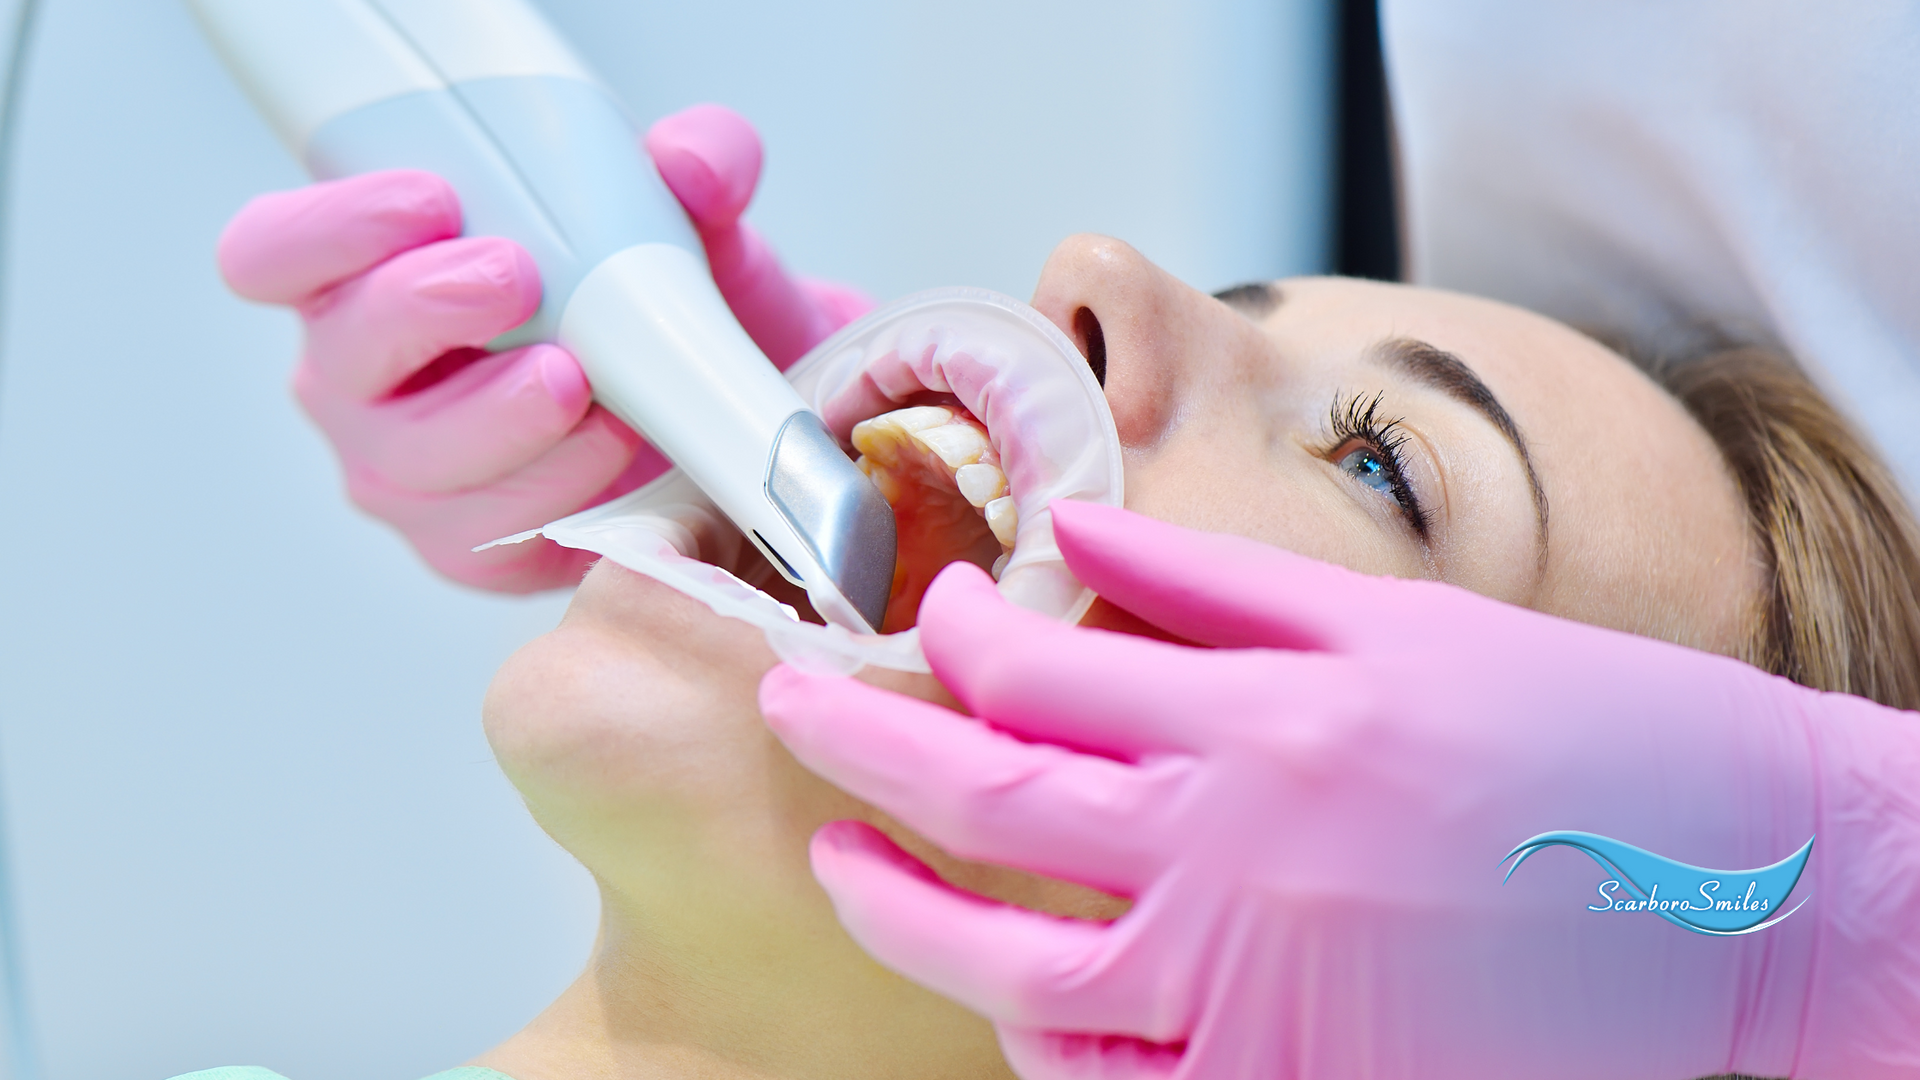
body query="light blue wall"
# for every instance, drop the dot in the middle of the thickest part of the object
(250, 811)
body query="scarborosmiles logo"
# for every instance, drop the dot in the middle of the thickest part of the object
(1724, 903)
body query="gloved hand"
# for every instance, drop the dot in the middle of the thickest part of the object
(451, 445)
(1311, 817)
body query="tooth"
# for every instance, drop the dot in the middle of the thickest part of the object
(955, 444)
(920, 417)
(881, 436)
(980, 483)
(1000, 564)
(876, 441)
(1003, 519)
(888, 484)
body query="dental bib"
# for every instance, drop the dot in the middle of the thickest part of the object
(1045, 415)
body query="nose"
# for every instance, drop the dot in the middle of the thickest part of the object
(1148, 337)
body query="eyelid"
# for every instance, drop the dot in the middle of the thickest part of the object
(1354, 419)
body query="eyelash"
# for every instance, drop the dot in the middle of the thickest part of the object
(1355, 419)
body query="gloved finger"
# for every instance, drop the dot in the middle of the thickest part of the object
(710, 158)
(1011, 965)
(486, 421)
(1217, 589)
(776, 311)
(368, 336)
(284, 247)
(575, 474)
(1041, 679)
(1056, 1055)
(976, 792)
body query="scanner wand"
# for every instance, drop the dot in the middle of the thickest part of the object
(487, 95)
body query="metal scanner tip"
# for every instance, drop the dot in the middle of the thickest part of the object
(837, 512)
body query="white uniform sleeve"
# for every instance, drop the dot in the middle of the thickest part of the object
(1649, 169)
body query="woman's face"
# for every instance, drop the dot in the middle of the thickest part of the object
(1390, 429)
(1535, 466)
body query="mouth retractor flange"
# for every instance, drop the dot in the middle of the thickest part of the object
(1003, 363)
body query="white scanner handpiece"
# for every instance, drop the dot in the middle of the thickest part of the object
(485, 94)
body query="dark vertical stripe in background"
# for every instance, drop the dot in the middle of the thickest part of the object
(1366, 207)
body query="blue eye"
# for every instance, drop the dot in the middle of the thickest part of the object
(1364, 465)
(1367, 449)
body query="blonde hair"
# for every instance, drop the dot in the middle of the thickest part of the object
(1841, 607)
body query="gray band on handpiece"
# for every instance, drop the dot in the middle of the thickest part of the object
(836, 511)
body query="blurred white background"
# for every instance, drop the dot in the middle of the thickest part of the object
(249, 813)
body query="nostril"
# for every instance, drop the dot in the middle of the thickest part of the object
(1092, 342)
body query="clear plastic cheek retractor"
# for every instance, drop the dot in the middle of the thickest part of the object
(1005, 363)
(486, 95)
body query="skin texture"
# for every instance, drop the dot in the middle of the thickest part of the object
(633, 732)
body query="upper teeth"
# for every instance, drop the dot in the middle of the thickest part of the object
(981, 484)
(958, 441)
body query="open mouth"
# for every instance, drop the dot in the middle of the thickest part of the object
(937, 467)
(970, 411)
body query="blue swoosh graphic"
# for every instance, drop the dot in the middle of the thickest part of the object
(1723, 903)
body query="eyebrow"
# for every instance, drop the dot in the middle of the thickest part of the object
(1254, 299)
(1445, 372)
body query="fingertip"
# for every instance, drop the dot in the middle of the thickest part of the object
(233, 251)
(287, 245)
(526, 280)
(710, 158)
(778, 688)
(956, 606)
(563, 378)
(1098, 538)
(1114, 550)
(835, 852)
(835, 838)
(794, 703)
(1215, 588)
(406, 207)
(1078, 513)
(1085, 529)
(694, 183)
(425, 201)
(492, 278)
(967, 628)
(845, 851)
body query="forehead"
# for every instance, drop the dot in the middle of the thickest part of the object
(1500, 342)
(1649, 533)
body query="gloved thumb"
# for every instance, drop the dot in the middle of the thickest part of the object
(710, 158)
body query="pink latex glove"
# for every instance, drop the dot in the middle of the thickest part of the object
(449, 444)
(1311, 819)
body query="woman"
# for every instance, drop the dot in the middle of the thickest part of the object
(1392, 430)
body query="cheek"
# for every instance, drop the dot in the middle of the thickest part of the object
(1281, 495)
